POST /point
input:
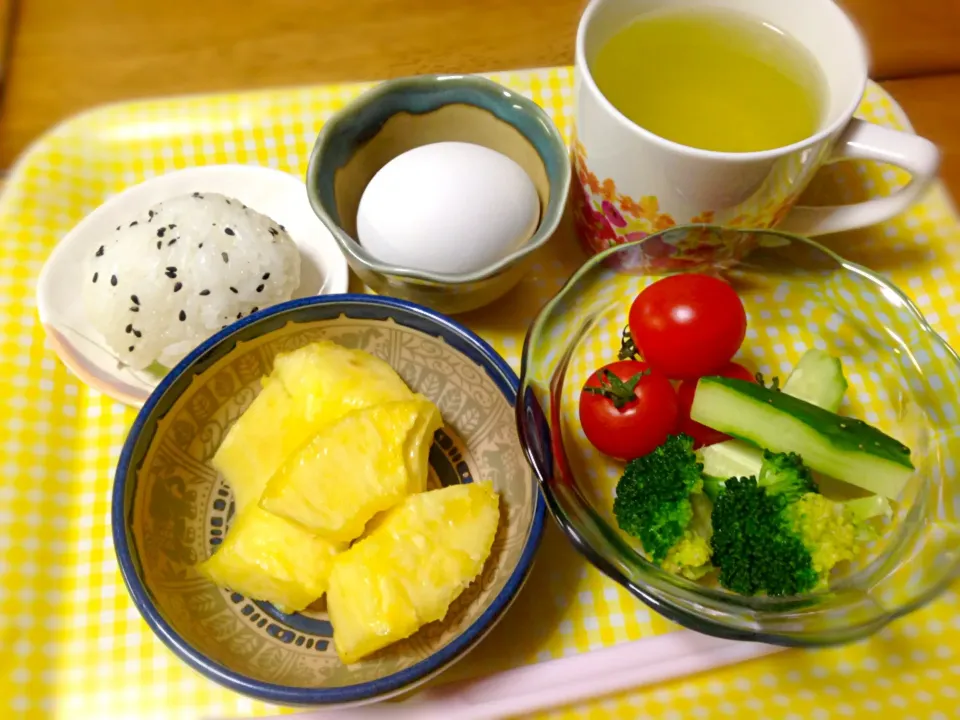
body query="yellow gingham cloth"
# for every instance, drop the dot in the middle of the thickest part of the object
(71, 643)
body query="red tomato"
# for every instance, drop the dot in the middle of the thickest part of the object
(701, 434)
(688, 325)
(627, 409)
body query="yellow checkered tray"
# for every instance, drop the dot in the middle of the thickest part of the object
(73, 645)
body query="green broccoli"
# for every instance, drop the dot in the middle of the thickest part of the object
(777, 534)
(654, 504)
(690, 556)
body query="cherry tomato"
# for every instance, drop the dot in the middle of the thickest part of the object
(628, 409)
(701, 434)
(688, 325)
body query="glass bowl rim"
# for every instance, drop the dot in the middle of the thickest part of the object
(659, 600)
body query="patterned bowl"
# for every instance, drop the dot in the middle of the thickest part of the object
(171, 509)
(402, 114)
(903, 379)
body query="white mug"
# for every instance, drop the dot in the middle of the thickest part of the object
(631, 183)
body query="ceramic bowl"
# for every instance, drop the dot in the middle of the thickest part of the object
(902, 376)
(82, 348)
(171, 509)
(399, 115)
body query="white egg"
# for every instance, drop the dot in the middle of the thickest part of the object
(448, 207)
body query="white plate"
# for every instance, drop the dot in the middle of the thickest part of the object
(271, 192)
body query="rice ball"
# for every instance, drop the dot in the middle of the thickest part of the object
(166, 280)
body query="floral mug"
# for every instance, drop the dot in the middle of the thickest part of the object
(631, 183)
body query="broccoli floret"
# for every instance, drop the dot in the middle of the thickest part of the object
(785, 473)
(653, 496)
(778, 535)
(690, 556)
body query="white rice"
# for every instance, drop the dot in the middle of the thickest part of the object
(187, 267)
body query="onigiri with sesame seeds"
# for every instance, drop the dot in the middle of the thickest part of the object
(163, 282)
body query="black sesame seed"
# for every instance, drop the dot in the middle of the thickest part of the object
(151, 213)
(283, 228)
(239, 315)
(198, 195)
(161, 231)
(254, 309)
(133, 223)
(118, 227)
(234, 290)
(113, 280)
(199, 246)
(171, 226)
(226, 258)
(266, 276)
(159, 244)
(259, 288)
(204, 292)
(183, 316)
(172, 242)
(177, 286)
(99, 252)
(228, 202)
(95, 276)
(229, 231)
(273, 231)
(134, 308)
(130, 349)
(135, 299)
(128, 329)
(137, 334)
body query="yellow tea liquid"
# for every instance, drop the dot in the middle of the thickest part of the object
(713, 79)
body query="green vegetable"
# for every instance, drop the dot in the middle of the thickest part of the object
(690, 556)
(843, 448)
(731, 458)
(777, 535)
(817, 378)
(655, 502)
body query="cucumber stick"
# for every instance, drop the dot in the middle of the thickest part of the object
(818, 378)
(843, 448)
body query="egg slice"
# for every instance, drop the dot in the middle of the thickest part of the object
(448, 207)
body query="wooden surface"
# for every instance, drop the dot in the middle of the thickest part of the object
(68, 55)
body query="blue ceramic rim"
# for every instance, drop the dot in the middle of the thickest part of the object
(459, 337)
(424, 94)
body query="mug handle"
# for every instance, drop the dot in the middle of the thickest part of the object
(865, 141)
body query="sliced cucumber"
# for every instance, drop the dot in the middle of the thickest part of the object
(843, 448)
(731, 458)
(818, 379)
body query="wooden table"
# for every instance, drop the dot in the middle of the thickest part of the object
(69, 55)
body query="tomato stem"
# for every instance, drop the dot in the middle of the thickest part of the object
(628, 348)
(618, 391)
(774, 382)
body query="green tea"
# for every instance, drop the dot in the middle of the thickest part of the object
(712, 79)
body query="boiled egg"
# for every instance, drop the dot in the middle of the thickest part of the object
(447, 207)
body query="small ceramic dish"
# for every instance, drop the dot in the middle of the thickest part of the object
(171, 509)
(902, 377)
(272, 192)
(399, 115)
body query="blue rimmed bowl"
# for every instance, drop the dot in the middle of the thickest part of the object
(171, 509)
(400, 115)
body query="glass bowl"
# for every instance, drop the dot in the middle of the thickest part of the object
(903, 379)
